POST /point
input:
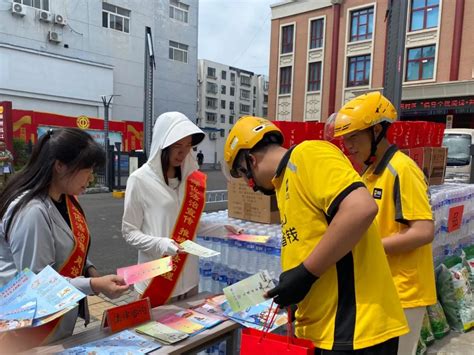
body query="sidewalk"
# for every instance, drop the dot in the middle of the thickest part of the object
(452, 344)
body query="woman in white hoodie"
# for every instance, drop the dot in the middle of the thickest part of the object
(154, 196)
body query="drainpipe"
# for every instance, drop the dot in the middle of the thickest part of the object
(336, 11)
(457, 38)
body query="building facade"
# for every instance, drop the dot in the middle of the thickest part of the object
(226, 93)
(324, 53)
(61, 56)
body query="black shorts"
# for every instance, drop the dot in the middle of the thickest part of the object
(389, 347)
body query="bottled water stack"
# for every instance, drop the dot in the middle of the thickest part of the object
(238, 260)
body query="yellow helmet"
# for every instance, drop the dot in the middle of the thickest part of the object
(246, 133)
(360, 113)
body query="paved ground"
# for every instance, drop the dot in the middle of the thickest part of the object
(109, 251)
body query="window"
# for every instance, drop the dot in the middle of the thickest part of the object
(223, 89)
(285, 80)
(223, 104)
(362, 24)
(232, 77)
(222, 133)
(231, 106)
(314, 76)
(424, 14)
(317, 30)
(232, 91)
(244, 108)
(265, 98)
(253, 103)
(39, 4)
(211, 117)
(116, 18)
(245, 80)
(178, 52)
(231, 119)
(179, 11)
(223, 75)
(359, 70)
(211, 72)
(222, 118)
(244, 94)
(211, 103)
(420, 63)
(265, 111)
(287, 39)
(211, 88)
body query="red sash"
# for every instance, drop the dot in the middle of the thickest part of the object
(30, 337)
(161, 287)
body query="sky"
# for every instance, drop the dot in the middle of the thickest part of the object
(236, 33)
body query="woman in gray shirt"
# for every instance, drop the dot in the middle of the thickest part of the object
(42, 223)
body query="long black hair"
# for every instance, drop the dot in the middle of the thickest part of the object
(71, 146)
(165, 164)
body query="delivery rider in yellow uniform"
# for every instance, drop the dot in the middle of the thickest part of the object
(398, 186)
(334, 265)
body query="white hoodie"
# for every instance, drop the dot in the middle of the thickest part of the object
(151, 206)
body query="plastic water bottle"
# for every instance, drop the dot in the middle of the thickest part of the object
(251, 262)
(215, 288)
(231, 276)
(206, 276)
(222, 348)
(222, 277)
(233, 256)
(261, 255)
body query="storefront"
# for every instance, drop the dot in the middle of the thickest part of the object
(460, 108)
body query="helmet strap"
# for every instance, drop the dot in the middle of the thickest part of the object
(251, 179)
(375, 142)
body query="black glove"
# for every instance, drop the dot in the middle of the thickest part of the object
(293, 286)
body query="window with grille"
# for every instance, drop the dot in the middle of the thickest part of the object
(285, 80)
(223, 89)
(211, 72)
(362, 24)
(116, 18)
(232, 91)
(223, 104)
(211, 88)
(245, 80)
(222, 118)
(287, 39)
(314, 76)
(178, 51)
(211, 103)
(424, 14)
(244, 108)
(317, 31)
(359, 71)
(223, 75)
(231, 119)
(179, 11)
(244, 94)
(211, 117)
(420, 63)
(38, 4)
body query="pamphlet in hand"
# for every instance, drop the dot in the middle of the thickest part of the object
(141, 272)
(249, 291)
(125, 342)
(193, 248)
(17, 315)
(52, 292)
(163, 333)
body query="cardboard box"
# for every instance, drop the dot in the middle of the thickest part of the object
(432, 161)
(438, 165)
(244, 203)
(422, 157)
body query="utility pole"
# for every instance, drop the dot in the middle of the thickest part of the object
(396, 18)
(148, 91)
(106, 101)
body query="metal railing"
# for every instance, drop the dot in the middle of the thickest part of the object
(216, 196)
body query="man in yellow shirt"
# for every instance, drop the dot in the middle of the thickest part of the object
(334, 266)
(398, 186)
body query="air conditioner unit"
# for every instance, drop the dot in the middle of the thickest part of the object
(212, 135)
(45, 16)
(60, 20)
(18, 9)
(54, 37)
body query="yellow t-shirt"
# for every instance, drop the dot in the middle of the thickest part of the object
(354, 304)
(400, 190)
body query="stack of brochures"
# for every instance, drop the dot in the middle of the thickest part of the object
(125, 342)
(31, 300)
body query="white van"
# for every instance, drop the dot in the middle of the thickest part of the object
(459, 162)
